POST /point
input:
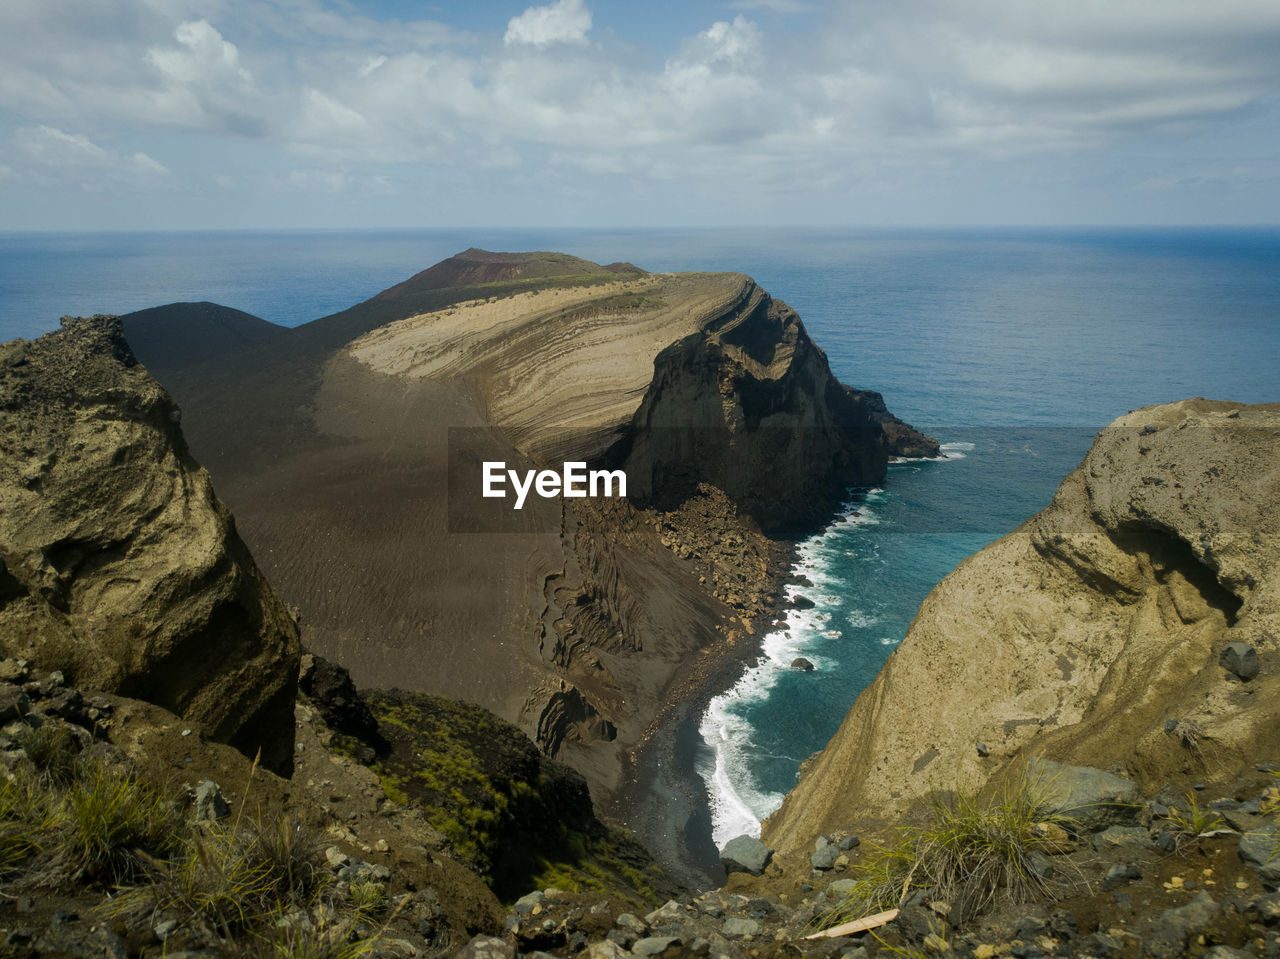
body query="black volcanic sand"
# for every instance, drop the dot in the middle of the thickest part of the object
(664, 799)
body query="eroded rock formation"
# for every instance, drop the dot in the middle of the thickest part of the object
(118, 565)
(1092, 634)
(351, 452)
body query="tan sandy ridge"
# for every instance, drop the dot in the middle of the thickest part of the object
(551, 363)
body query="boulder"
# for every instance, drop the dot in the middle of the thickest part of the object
(1239, 659)
(802, 664)
(745, 854)
(119, 567)
(1260, 849)
(1173, 927)
(1089, 797)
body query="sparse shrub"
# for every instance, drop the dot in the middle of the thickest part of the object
(293, 852)
(109, 824)
(228, 879)
(970, 854)
(51, 749)
(27, 819)
(281, 938)
(1194, 822)
(368, 897)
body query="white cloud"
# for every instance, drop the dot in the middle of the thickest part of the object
(46, 154)
(565, 21)
(370, 65)
(202, 56)
(204, 84)
(866, 89)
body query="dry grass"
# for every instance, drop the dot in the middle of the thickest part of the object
(230, 877)
(971, 855)
(93, 824)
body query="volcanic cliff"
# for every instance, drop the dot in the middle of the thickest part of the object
(350, 450)
(1132, 625)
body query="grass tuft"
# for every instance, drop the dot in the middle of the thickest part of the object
(969, 854)
(1194, 822)
(228, 879)
(109, 824)
(51, 750)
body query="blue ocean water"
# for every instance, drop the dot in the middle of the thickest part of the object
(1011, 347)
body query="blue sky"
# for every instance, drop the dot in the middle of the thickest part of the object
(136, 114)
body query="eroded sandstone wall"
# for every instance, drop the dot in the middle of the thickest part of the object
(1091, 634)
(118, 564)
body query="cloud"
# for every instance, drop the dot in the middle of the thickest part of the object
(204, 84)
(202, 56)
(846, 95)
(48, 155)
(320, 181)
(565, 21)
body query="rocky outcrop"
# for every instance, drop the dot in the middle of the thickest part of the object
(118, 565)
(1092, 634)
(748, 405)
(351, 452)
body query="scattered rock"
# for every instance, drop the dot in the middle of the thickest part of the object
(1114, 836)
(487, 947)
(825, 854)
(736, 928)
(1261, 851)
(626, 921)
(605, 949)
(1121, 874)
(802, 664)
(1093, 798)
(841, 889)
(745, 854)
(1239, 659)
(983, 749)
(656, 946)
(1269, 909)
(1173, 927)
(210, 804)
(1052, 838)
(14, 703)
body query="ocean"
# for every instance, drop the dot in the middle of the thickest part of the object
(1012, 347)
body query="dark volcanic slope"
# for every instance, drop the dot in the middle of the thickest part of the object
(332, 445)
(188, 333)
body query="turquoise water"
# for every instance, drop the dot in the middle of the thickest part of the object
(1011, 347)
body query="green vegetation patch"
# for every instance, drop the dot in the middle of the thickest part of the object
(521, 819)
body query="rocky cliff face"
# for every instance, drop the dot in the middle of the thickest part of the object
(351, 450)
(748, 405)
(118, 565)
(1093, 634)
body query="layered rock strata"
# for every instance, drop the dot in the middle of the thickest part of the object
(350, 450)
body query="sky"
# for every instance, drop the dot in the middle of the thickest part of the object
(267, 114)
